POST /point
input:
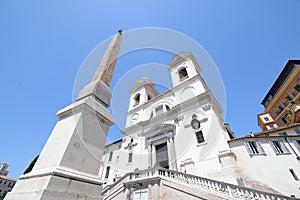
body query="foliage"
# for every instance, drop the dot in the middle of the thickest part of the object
(31, 165)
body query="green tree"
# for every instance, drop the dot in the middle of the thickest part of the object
(31, 165)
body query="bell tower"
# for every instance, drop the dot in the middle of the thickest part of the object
(183, 67)
(185, 74)
(142, 91)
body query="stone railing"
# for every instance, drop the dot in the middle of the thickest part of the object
(110, 188)
(226, 190)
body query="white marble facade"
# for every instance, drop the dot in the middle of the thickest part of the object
(159, 132)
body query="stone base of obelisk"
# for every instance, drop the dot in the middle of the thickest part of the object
(56, 187)
(69, 163)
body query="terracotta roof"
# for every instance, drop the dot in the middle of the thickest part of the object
(7, 178)
(267, 132)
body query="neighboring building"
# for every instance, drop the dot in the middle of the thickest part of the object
(178, 140)
(6, 183)
(270, 159)
(3, 169)
(282, 103)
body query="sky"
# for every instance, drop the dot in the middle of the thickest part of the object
(44, 43)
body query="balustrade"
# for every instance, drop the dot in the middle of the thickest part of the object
(208, 185)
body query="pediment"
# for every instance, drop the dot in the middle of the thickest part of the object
(159, 129)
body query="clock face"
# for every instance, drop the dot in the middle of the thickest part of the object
(195, 124)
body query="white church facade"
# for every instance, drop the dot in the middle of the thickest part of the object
(182, 130)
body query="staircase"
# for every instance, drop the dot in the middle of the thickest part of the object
(206, 188)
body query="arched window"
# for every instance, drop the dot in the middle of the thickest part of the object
(136, 100)
(168, 108)
(151, 115)
(149, 98)
(182, 73)
(162, 108)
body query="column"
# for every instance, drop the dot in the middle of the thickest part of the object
(170, 159)
(172, 154)
(149, 156)
(153, 155)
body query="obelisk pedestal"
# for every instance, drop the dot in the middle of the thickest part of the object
(69, 164)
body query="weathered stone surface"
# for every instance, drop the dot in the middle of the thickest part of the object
(106, 67)
(97, 89)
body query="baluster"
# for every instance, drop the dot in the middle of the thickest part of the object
(192, 180)
(268, 197)
(228, 191)
(203, 184)
(176, 176)
(237, 193)
(208, 185)
(221, 188)
(242, 193)
(197, 182)
(256, 196)
(251, 195)
(180, 177)
(216, 186)
(247, 195)
(213, 186)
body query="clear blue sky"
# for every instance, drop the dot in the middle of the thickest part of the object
(43, 43)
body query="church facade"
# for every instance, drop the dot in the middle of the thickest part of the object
(182, 131)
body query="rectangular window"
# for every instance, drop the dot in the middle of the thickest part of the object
(199, 137)
(294, 174)
(279, 147)
(130, 157)
(266, 119)
(272, 126)
(286, 118)
(297, 144)
(286, 102)
(283, 134)
(254, 147)
(107, 172)
(288, 98)
(279, 110)
(297, 131)
(110, 156)
(297, 88)
(141, 195)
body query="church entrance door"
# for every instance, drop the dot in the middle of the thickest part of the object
(162, 159)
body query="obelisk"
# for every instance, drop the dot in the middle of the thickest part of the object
(69, 163)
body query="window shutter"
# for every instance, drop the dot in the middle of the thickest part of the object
(274, 147)
(297, 145)
(259, 147)
(283, 147)
(247, 145)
